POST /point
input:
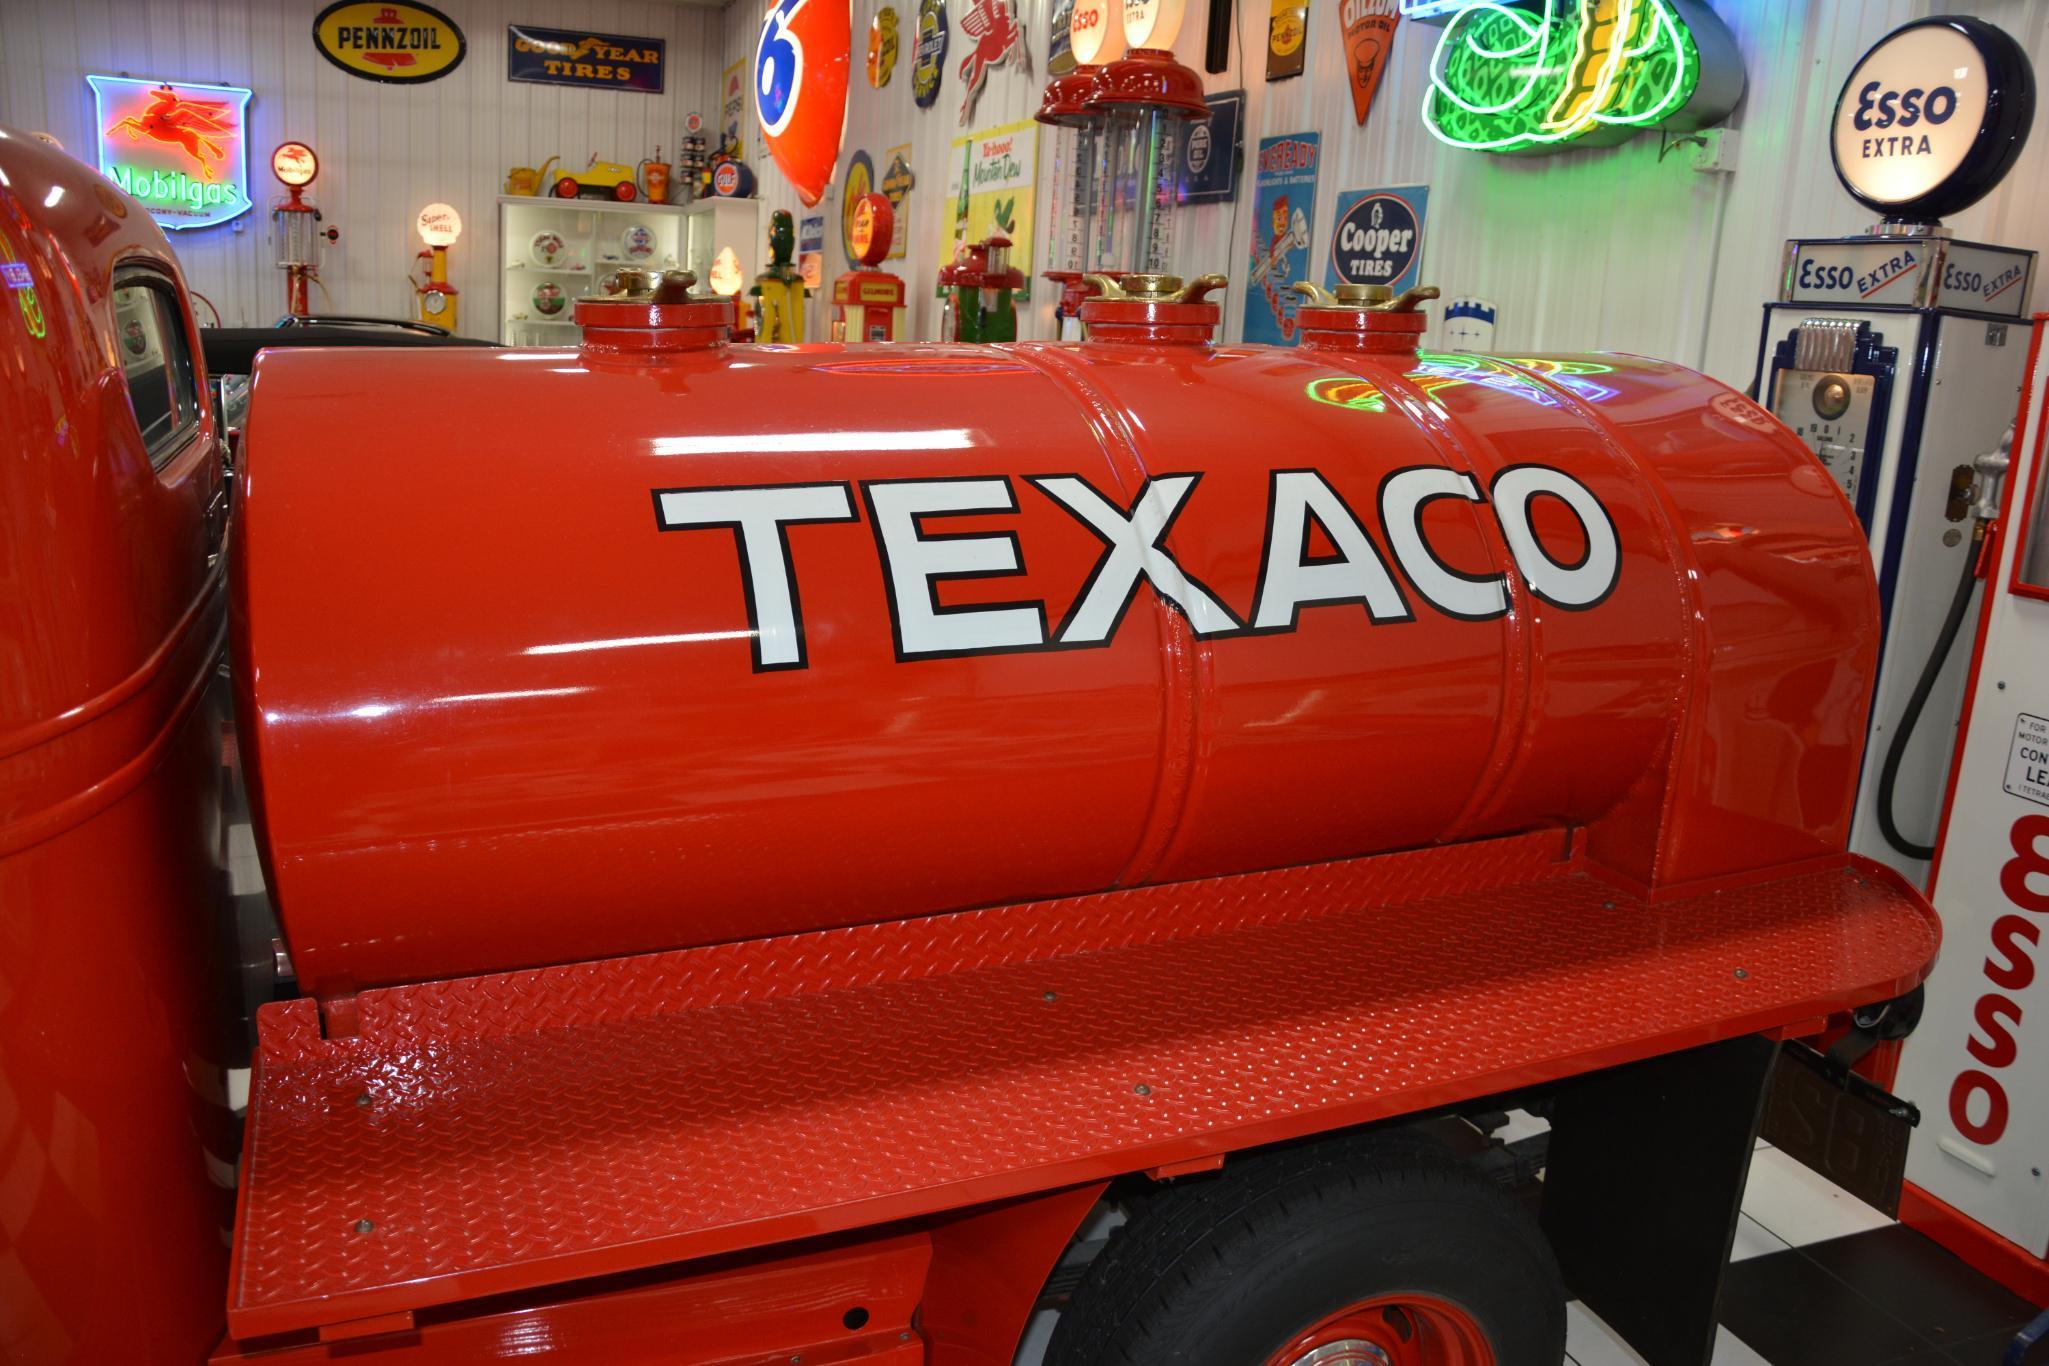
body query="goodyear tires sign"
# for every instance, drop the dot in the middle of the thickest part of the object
(567, 56)
(400, 44)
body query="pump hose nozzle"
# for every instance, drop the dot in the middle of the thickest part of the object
(1990, 467)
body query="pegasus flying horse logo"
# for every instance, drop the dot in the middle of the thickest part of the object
(182, 123)
(998, 38)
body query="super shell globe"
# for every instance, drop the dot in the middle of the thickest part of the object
(549, 299)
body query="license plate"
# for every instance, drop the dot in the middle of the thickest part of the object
(1844, 1126)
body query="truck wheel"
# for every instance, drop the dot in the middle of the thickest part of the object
(1373, 1250)
(565, 188)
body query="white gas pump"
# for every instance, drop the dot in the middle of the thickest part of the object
(1975, 1065)
(1897, 356)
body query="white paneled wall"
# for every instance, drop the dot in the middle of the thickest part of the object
(878, 120)
(1609, 248)
(385, 150)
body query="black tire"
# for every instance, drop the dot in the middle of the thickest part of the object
(1227, 1270)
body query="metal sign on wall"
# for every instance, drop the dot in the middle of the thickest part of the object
(1209, 151)
(178, 147)
(897, 181)
(1287, 35)
(928, 57)
(1368, 31)
(1283, 198)
(397, 43)
(1377, 238)
(564, 56)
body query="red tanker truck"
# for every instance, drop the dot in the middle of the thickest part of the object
(758, 876)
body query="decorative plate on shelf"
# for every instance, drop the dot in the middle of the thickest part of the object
(638, 242)
(547, 249)
(549, 298)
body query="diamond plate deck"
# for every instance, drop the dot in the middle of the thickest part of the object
(497, 1133)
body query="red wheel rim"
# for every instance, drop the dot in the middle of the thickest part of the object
(565, 188)
(624, 192)
(1391, 1330)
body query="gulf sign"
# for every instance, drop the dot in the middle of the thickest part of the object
(800, 89)
(179, 148)
(399, 44)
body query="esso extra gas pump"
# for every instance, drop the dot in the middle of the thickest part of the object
(298, 224)
(868, 304)
(1896, 355)
(1974, 1065)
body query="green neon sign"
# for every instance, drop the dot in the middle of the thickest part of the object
(1541, 75)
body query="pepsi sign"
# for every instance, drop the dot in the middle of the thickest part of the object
(1378, 237)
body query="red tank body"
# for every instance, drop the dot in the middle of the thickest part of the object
(112, 626)
(704, 644)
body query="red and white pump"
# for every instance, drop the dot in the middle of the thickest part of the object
(298, 224)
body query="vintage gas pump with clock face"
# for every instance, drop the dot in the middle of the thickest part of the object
(1896, 355)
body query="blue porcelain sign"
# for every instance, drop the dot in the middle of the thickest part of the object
(1378, 238)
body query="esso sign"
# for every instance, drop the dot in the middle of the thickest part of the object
(1095, 33)
(1152, 23)
(1932, 118)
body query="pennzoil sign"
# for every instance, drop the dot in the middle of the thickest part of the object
(404, 44)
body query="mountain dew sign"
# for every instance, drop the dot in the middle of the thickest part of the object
(177, 147)
(1534, 76)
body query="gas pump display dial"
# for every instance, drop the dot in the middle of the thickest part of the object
(1831, 412)
(1831, 397)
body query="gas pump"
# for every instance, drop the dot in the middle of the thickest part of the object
(868, 304)
(778, 290)
(1975, 1064)
(980, 285)
(1076, 185)
(298, 230)
(439, 226)
(1896, 355)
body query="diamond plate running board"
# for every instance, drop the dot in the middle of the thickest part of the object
(493, 1134)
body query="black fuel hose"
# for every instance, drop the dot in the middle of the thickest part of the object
(1888, 776)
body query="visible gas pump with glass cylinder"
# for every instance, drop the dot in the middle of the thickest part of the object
(298, 231)
(1118, 131)
(1077, 181)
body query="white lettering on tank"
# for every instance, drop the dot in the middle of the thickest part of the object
(760, 518)
(1575, 586)
(916, 561)
(1133, 551)
(1403, 496)
(1291, 579)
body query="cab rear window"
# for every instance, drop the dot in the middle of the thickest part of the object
(156, 360)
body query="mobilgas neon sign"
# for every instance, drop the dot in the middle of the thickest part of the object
(1533, 76)
(180, 149)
